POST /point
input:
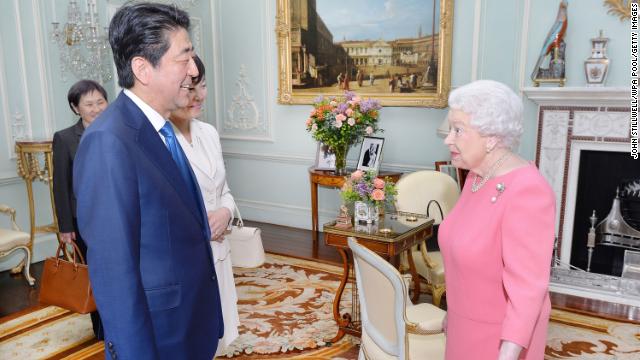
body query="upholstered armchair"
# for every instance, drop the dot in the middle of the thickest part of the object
(416, 191)
(392, 327)
(14, 239)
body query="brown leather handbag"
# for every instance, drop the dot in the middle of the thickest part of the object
(66, 283)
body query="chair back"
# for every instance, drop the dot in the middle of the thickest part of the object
(417, 189)
(381, 292)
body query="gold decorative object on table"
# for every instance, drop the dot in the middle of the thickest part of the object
(35, 163)
(343, 221)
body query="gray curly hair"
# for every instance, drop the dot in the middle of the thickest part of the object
(494, 108)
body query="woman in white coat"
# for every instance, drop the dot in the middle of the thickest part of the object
(201, 144)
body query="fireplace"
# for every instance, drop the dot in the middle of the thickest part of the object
(600, 176)
(582, 149)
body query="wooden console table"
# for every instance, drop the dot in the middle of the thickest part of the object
(330, 179)
(389, 237)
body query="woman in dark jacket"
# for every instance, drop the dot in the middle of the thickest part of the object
(87, 99)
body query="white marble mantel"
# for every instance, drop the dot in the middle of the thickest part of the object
(579, 96)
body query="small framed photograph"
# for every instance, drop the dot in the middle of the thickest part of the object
(325, 159)
(370, 153)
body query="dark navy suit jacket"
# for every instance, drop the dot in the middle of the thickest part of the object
(152, 269)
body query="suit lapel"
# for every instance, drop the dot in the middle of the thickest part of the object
(156, 151)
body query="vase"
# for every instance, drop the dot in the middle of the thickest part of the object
(596, 67)
(341, 158)
(366, 212)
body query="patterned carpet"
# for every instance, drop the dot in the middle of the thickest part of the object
(574, 336)
(285, 312)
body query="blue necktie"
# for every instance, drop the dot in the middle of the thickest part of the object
(181, 159)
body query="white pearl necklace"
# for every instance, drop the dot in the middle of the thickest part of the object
(475, 186)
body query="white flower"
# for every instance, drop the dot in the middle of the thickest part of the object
(351, 121)
(369, 130)
(314, 127)
(338, 124)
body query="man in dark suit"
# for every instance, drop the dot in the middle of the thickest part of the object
(87, 99)
(139, 206)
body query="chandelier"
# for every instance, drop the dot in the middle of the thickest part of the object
(84, 48)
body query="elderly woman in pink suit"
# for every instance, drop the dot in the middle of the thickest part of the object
(497, 241)
(201, 144)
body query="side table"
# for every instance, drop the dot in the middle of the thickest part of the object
(330, 179)
(31, 168)
(393, 234)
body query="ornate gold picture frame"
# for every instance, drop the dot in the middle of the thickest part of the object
(400, 56)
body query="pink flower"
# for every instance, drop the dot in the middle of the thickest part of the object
(333, 103)
(356, 99)
(357, 175)
(369, 130)
(341, 117)
(309, 122)
(377, 195)
(378, 183)
(351, 121)
(313, 112)
(314, 127)
(349, 112)
(338, 124)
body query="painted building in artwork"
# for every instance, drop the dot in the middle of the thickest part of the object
(316, 60)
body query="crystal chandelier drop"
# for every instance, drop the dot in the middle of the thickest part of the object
(84, 48)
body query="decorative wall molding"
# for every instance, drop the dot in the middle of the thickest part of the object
(196, 32)
(26, 101)
(282, 214)
(524, 43)
(4, 97)
(579, 96)
(18, 127)
(245, 117)
(243, 113)
(308, 161)
(475, 45)
(10, 178)
(43, 64)
(216, 49)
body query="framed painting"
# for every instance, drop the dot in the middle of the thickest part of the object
(398, 52)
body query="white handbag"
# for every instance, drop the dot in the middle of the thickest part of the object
(246, 244)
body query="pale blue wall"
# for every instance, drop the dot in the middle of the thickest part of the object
(268, 170)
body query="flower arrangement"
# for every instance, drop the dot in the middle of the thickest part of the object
(341, 121)
(367, 187)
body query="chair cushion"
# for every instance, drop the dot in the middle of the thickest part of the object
(420, 347)
(427, 315)
(434, 276)
(10, 239)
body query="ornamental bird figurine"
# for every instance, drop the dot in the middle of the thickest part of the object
(553, 39)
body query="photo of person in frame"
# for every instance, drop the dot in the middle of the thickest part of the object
(370, 153)
(370, 156)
